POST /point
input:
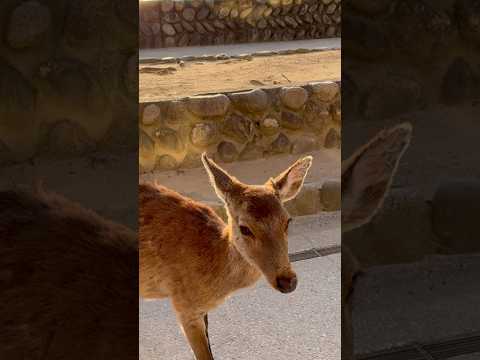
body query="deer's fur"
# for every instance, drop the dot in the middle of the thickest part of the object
(366, 179)
(68, 281)
(188, 254)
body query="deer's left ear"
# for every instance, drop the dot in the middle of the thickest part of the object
(289, 183)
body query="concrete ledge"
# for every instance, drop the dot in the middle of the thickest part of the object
(219, 57)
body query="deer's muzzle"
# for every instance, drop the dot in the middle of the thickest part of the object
(286, 284)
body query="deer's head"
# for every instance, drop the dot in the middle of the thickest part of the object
(258, 220)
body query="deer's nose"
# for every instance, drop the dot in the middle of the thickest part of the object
(286, 284)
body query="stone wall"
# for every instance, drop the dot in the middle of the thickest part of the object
(405, 55)
(68, 77)
(239, 125)
(170, 23)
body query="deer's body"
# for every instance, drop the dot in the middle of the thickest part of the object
(67, 281)
(188, 254)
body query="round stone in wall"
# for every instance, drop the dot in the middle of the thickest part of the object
(238, 127)
(269, 126)
(166, 162)
(291, 121)
(188, 14)
(293, 97)
(168, 29)
(203, 134)
(330, 9)
(280, 145)
(145, 142)
(227, 152)
(167, 138)
(244, 13)
(203, 13)
(151, 113)
(325, 90)
(304, 144)
(166, 5)
(171, 17)
(317, 115)
(332, 140)
(331, 31)
(28, 23)
(170, 41)
(234, 13)
(179, 5)
(183, 41)
(254, 101)
(274, 2)
(196, 3)
(209, 105)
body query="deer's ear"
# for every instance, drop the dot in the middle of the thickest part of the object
(222, 182)
(368, 174)
(289, 183)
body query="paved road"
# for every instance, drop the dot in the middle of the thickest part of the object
(237, 49)
(435, 299)
(261, 323)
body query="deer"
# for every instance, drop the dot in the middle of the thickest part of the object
(190, 256)
(366, 180)
(68, 280)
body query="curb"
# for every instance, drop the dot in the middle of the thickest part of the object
(220, 57)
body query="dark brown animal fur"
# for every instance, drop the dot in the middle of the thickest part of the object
(68, 281)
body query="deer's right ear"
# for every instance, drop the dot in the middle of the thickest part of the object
(221, 181)
(368, 174)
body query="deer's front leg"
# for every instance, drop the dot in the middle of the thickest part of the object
(205, 320)
(196, 333)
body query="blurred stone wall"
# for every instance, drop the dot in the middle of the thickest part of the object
(405, 55)
(239, 125)
(68, 77)
(170, 23)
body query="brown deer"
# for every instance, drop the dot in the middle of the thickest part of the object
(188, 254)
(68, 281)
(366, 179)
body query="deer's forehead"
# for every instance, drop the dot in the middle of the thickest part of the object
(265, 207)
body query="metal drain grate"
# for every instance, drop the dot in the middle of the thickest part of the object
(442, 350)
(313, 253)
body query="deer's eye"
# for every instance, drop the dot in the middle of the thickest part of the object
(245, 231)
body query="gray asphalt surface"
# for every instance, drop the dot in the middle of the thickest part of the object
(435, 299)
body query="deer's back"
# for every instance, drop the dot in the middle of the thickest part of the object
(67, 281)
(179, 240)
